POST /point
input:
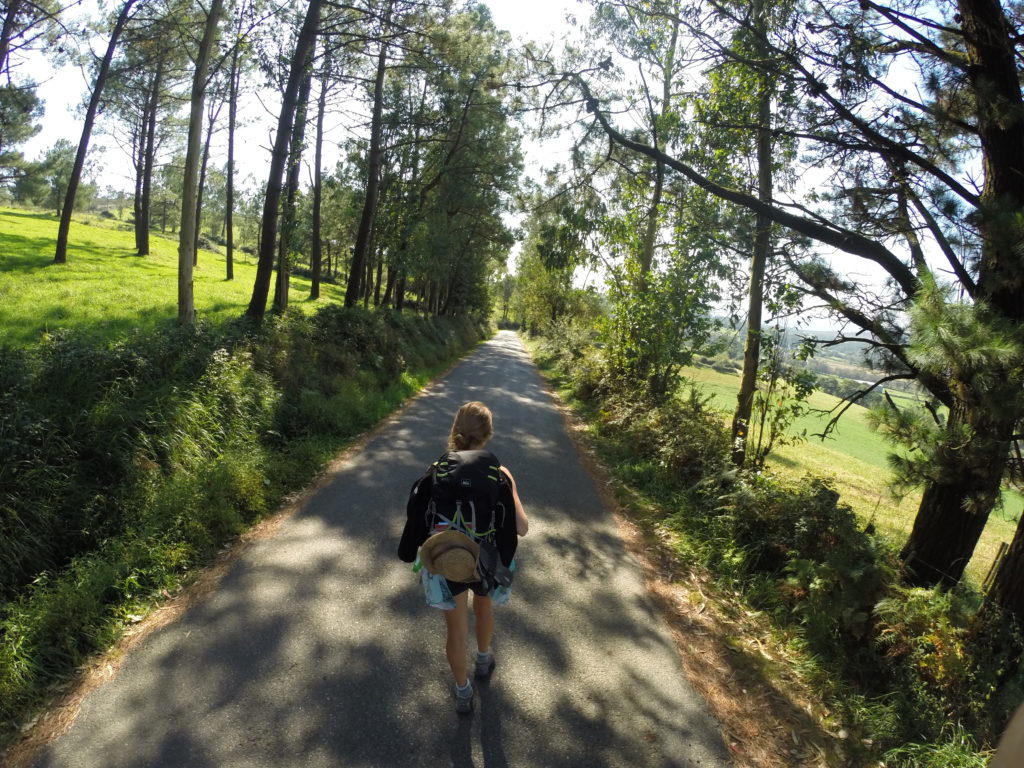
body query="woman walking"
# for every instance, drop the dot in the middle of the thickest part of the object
(465, 503)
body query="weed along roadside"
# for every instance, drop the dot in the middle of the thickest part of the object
(128, 465)
(790, 615)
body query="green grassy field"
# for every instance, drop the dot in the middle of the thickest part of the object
(855, 457)
(105, 287)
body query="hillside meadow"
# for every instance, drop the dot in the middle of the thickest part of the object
(108, 290)
(854, 456)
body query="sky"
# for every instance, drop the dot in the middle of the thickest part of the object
(63, 90)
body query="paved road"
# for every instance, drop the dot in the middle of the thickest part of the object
(317, 650)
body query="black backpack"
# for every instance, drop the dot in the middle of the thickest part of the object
(464, 494)
(461, 491)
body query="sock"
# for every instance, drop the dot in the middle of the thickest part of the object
(464, 688)
(483, 655)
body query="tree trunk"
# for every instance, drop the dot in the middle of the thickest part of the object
(1008, 587)
(7, 32)
(400, 293)
(994, 80)
(202, 185)
(651, 233)
(758, 263)
(294, 167)
(376, 287)
(955, 506)
(318, 187)
(368, 277)
(146, 202)
(61, 254)
(229, 202)
(952, 514)
(140, 167)
(944, 536)
(359, 254)
(389, 289)
(272, 201)
(190, 193)
(429, 298)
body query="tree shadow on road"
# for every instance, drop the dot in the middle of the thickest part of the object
(317, 649)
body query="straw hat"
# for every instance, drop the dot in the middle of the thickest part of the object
(451, 554)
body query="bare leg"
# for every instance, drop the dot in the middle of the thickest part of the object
(483, 610)
(457, 622)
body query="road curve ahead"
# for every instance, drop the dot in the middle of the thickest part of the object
(317, 651)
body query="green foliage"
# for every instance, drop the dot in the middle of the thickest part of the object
(679, 447)
(779, 401)
(19, 109)
(545, 298)
(896, 665)
(955, 749)
(983, 358)
(125, 465)
(45, 183)
(654, 331)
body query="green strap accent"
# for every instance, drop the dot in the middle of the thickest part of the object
(458, 519)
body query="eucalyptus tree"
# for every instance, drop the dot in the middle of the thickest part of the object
(648, 36)
(741, 110)
(247, 16)
(662, 284)
(145, 155)
(470, 165)
(190, 191)
(214, 106)
(374, 157)
(304, 45)
(316, 253)
(123, 15)
(143, 99)
(925, 184)
(296, 147)
(140, 100)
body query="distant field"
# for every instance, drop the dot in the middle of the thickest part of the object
(855, 457)
(107, 289)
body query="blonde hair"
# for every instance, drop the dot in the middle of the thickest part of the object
(472, 427)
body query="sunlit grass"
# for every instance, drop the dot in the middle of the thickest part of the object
(105, 287)
(855, 457)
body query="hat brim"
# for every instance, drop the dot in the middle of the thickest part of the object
(437, 546)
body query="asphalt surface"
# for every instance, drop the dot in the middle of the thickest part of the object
(317, 648)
